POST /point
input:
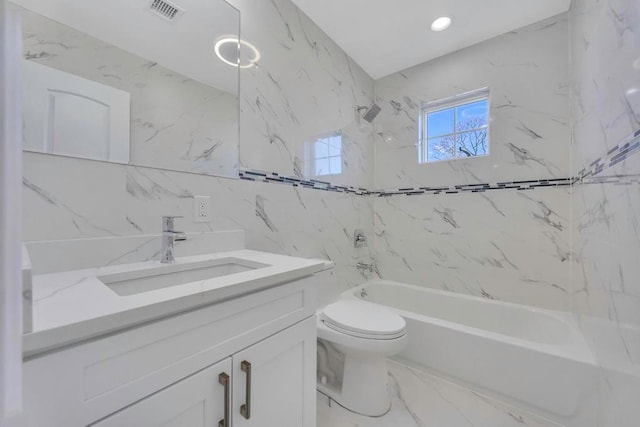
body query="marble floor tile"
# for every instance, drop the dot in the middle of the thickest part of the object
(420, 399)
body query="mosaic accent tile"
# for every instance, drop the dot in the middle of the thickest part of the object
(617, 154)
(614, 156)
(274, 177)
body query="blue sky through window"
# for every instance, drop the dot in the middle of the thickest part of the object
(328, 155)
(456, 132)
(476, 113)
(440, 122)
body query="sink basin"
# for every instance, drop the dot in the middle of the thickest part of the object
(165, 276)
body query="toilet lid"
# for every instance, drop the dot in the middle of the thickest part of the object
(363, 319)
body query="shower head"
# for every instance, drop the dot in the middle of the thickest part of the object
(372, 112)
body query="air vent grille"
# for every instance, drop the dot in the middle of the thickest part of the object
(165, 9)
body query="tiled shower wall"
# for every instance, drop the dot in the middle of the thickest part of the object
(501, 243)
(605, 63)
(66, 198)
(305, 87)
(606, 111)
(506, 244)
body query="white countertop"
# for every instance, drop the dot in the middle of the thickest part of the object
(74, 306)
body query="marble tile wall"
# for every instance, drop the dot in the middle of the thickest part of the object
(176, 122)
(605, 66)
(507, 244)
(67, 198)
(304, 87)
(527, 74)
(304, 83)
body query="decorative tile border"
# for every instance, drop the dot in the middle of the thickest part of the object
(587, 175)
(613, 179)
(273, 177)
(260, 176)
(478, 188)
(617, 154)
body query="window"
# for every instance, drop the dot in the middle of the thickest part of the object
(455, 128)
(327, 155)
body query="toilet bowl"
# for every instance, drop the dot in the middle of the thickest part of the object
(355, 339)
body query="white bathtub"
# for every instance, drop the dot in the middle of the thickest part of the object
(536, 356)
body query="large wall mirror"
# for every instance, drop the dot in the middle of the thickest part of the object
(142, 82)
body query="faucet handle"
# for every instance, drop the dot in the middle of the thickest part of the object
(167, 222)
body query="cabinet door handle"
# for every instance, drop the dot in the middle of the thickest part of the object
(245, 409)
(223, 379)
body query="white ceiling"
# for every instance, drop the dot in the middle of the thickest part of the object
(185, 46)
(386, 36)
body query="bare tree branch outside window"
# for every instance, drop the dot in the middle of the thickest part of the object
(468, 135)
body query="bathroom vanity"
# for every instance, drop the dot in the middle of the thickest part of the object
(239, 349)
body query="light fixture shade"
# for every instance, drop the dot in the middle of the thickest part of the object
(441, 23)
(252, 54)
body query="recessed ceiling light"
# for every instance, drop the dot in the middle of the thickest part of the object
(227, 50)
(441, 23)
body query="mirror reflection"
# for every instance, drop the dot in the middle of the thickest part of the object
(112, 81)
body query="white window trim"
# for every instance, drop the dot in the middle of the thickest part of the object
(445, 104)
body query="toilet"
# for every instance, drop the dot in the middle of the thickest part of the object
(354, 339)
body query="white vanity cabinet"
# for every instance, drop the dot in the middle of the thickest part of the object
(269, 382)
(272, 382)
(171, 372)
(195, 401)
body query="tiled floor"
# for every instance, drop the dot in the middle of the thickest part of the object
(420, 400)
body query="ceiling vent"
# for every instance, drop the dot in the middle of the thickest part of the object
(165, 9)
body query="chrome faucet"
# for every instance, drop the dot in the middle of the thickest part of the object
(359, 239)
(363, 266)
(169, 236)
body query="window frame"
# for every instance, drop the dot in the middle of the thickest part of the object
(328, 157)
(453, 102)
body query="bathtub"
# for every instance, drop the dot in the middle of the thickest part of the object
(538, 357)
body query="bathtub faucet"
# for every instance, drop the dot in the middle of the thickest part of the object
(363, 266)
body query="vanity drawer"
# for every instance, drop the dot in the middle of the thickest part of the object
(105, 375)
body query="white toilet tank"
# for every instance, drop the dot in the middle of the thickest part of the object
(327, 285)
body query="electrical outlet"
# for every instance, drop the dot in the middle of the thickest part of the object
(201, 208)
